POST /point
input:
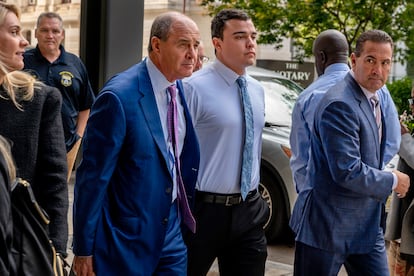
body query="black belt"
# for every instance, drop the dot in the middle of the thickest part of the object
(227, 200)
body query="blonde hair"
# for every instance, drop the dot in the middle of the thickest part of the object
(5, 150)
(19, 85)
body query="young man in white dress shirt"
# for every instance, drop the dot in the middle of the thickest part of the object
(229, 226)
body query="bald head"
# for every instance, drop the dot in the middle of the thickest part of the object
(173, 44)
(330, 47)
(165, 23)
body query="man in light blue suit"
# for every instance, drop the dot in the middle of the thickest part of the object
(126, 217)
(337, 216)
(331, 52)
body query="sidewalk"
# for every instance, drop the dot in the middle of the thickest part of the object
(272, 269)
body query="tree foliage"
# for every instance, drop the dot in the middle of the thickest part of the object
(303, 20)
(400, 91)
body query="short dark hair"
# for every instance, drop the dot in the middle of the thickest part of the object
(218, 22)
(377, 36)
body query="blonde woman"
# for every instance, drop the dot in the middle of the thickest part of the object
(30, 118)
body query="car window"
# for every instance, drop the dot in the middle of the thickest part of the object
(280, 97)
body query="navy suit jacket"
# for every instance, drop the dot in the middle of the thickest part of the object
(123, 188)
(340, 208)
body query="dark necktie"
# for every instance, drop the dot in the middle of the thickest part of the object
(246, 173)
(377, 111)
(172, 123)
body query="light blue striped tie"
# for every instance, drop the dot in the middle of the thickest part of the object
(246, 173)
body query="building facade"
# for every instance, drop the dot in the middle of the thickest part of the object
(278, 60)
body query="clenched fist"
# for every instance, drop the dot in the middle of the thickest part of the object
(403, 184)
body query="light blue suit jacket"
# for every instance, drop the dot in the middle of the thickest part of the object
(123, 186)
(339, 210)
(303, 117)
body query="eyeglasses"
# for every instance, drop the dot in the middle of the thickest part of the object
(203, 59)
(411, 101)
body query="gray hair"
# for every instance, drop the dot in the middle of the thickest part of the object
(161, 26)
(49, 15)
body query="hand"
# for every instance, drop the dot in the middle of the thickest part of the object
(83, 266)
(403, 184)
(404, 129)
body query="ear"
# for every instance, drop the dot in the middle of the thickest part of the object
(155, 44)
(216, 43)
(322, 57)
(353, 60)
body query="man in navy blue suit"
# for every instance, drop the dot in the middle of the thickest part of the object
(126, 217)
(337, 216)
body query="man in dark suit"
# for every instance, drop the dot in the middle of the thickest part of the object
(337, 215)
(127, 220)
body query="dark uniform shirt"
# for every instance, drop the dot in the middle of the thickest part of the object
(69, 75)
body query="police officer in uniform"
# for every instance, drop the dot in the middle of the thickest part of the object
(50, 63)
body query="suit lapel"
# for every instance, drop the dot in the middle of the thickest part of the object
(188, 121)
(366, 109)
(189, 130)
(149, 107)
(384, 134)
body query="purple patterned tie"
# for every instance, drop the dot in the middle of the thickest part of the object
(172, 122)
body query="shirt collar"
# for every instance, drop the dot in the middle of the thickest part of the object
(368, 94)
(225, 72)
(336, 67)
(158, 80)
(60, 59)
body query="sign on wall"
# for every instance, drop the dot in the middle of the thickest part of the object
(301, 73)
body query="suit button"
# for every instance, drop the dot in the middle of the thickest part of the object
(165, 221)
(168, 190)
